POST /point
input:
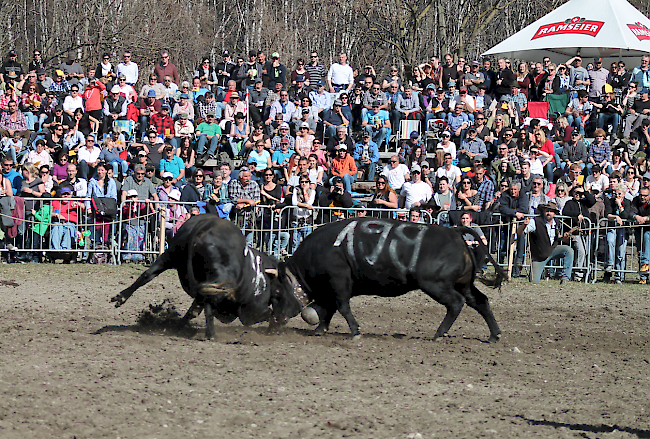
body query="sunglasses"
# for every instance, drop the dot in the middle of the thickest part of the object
(168, 179)
(381, 182)
(304, 181)
(537, 184)
(199, 175)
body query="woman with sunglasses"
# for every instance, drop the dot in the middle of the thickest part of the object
(186, 152)
(303, 198)
(272, 195)
(304, 140)
(197, 189)
(631, 181)
(323, 159)
(60, 169)
(547, 151)
(467, 198)
(561, 195)
(351, 107)
(257, 134)
(445, 146)
(393, 76)
(384, 196)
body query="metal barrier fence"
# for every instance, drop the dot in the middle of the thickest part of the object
(68, 229)
(511, 251)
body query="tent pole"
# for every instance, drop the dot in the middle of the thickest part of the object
(620, 56)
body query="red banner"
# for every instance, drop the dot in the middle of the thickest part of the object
(575, 25)
(640, 31)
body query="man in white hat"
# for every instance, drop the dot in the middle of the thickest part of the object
(114, 108)
(414, 193)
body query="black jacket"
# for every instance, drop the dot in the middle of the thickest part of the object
(509, 205)
(574, 208)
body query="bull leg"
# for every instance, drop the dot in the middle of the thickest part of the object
(480, 303)
(193, 312)
(209, 320)
(156, 268)
(346, 312)
(324, 325)
(452, 300)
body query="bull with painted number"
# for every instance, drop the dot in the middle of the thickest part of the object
(370, 256)
(225, 277)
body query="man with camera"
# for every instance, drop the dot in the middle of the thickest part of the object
(337, 197)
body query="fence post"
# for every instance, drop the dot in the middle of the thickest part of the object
(511, 249)
(161, 238)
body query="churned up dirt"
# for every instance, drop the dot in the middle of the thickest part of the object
(573, 363)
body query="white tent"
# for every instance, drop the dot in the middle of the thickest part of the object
(610, 29)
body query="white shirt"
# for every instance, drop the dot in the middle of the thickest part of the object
(600, 184)
(452, 174)
(396, 176)
(88, 156)
(340, 74)
(550, 228)
(130, 72)
(536, 166)
(71, 104)
(451, 149)
(415, 192)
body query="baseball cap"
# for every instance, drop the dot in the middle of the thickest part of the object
(183, 115)
(226, 53)
(646, 176)
(598, 60)
(258, 80)
(321, 83)
(431, 86)
(305, 110)
(462, 88)
(275, 55)
(365, 134)
(65, 190)
(451, 84)
(342, 146)
(132, 193)
(440, 90)
(414, 134)
(115, 89)
(151, 94)
(175, 194)
(415, 168)
(210, 113)
(476, 63)
(300, 78)
(284, 141)
(375, 104)
(446, 133)
(425, 164)
(12, 53)
(142, 153)
(284, 125)
(40, 71)
(167, 175)
(304, 125)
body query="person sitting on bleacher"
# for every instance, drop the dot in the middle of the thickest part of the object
(377, 123)
(408, 105)
(366, 155)
(458, 122)
(471, 149)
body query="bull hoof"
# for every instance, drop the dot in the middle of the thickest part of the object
(356, 337)
(321, 329)
(310, 316)
(119, 300)
(494, 338)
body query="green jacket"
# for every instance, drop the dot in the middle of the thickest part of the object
(43, 216)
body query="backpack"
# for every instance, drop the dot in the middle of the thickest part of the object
(100, 257)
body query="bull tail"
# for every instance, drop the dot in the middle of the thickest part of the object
(501, 274)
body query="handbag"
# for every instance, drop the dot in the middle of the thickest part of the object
(104, 206)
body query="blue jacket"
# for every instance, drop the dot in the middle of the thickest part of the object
(95, 191)
(15, 178)
(373, 151)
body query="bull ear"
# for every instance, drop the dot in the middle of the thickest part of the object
(271, 272)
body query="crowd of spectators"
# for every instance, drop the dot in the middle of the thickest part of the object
(110, 130)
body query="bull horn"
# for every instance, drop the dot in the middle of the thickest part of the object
(272, 271)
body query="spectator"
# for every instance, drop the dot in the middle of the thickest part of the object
(450, 171)
(244, 194)
(208, 131)
(471, 149)
(444, 197)
(384, 196)
(129, 69)
(166, 68)
(144, 188)
(415, 192)
(397, 173)
(303, 198)
(174, 164)
(408, 105)
(343, 166)
(65, 215)
(13, 121)
(110, 155)
(545, 236)
(340, 76)
(366, 156)
(376, 123)
(617, 209)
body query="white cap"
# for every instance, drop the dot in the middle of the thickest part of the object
(167, 175)
(175, 194)
(132, 193)
(116, 89)
(342, 146)
(304, 125)
(284, 125)
(425, 163)
(416, 168)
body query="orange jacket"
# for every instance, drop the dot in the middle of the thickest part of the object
(344, 166)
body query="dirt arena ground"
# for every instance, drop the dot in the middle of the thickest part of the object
(573, 362)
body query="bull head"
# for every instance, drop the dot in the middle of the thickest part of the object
(287, 296)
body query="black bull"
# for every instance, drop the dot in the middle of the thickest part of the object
(225, 277)
(389, 258)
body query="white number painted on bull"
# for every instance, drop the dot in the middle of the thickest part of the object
(384, 230)
(259, 279)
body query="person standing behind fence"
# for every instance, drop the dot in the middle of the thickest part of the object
(641, 214)
(617, 209)
(303, 197)
(578, 209)
(545, 235)
(65, 215)
(135, 225)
